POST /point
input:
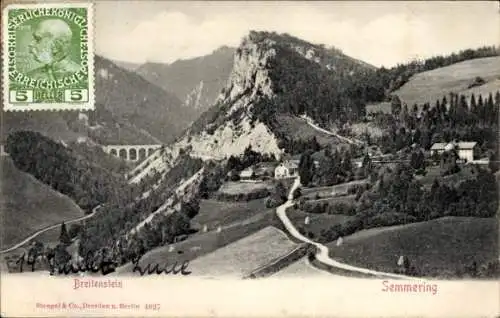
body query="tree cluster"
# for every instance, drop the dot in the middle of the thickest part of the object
(403, 200)
(452, 118)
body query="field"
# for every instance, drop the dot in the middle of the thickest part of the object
(349, 199)
(296, 128)
(28, 205)
(245, 255)
(484, 90)
(439, 247)
(382, 107)
(214, 213)
(324, 192)
(431, 85)
(433, 172)
(235, 188)
(358, 129)
(200, 243)
(317, 222)
(301, 268)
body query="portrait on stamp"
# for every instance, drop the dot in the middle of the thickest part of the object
(49, 57)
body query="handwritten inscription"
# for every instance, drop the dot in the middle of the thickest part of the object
(104, 266)
(156, 269)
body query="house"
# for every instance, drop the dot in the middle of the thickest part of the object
(81, 139)
(357, 162)
(465, 150)
(265, 169)
(287, 169)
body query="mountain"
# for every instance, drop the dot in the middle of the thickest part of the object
(275, 78)
(129, 110)
(132, 99)
(197, 82)
(129, 66)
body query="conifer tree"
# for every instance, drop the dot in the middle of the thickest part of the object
(64, 236)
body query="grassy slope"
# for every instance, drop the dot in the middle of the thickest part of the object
(350, 199)
(233, 188)
(317, 222)
(214, 213)
(298, 129)
(244, 255)
(328, 190)
(301, 269)
(203, 243)
(27, 205)
(434, 172)
(437, 246)
(431, 85)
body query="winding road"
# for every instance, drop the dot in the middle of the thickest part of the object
(50, 227)
(323, 253)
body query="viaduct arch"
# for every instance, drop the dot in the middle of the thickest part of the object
(131, 152)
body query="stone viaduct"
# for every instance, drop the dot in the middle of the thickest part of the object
(131, 152)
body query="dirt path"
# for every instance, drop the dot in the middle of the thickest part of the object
(50, 227)
(352, 141)
(323, 253)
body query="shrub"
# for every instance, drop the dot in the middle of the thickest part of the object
(74, 230)
(490, 269)
(388, 219)
(234, 176)
(273, 202)
(341, 208)
(297, 193)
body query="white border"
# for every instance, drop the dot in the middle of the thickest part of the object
(90, 105)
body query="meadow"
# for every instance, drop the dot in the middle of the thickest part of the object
(245, 255)
(28, 205)
(442, 247)
(431, 85)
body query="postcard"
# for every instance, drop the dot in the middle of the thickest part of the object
(237, 159)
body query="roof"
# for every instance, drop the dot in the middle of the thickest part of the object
(266, 165)
(459, 145)
(247, 172)
(290, 165)
(439, 146)
(466, 144)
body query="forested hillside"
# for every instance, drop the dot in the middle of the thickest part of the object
(91, 182)
(453, 118)
(84, 181)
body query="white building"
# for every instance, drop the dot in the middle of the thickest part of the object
(287, 169)
(465, 150)
(247, 173)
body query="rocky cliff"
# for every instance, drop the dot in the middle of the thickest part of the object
(273, 75)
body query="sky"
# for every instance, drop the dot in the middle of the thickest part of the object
(379, 33)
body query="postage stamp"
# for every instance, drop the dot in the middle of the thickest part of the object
(48, 57)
